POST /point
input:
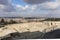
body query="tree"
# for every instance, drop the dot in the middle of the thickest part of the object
(2, 20)
(12, 22)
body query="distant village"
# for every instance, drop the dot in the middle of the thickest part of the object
(15, 20)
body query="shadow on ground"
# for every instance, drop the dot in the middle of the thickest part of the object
(34, 35)
(52, 35)
(25, 35)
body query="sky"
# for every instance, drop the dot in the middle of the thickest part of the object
(30, 8)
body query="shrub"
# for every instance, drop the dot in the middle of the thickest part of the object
(12, 22)
(2, 20)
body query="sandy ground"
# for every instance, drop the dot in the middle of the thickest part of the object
(26, 27)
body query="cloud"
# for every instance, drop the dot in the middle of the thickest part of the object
(22, 7)
(36, 1)
(9, 8)
(39, 9)
(45, 4)
(36, 10)
(54, 13)
(6, 6)
(3, 2)
(50, 5)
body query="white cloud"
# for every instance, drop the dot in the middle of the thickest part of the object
(53, 5)
(18, 6)
(50, 5)
(35, 10)
(2, 7)
(54, 13)
(30, 10)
